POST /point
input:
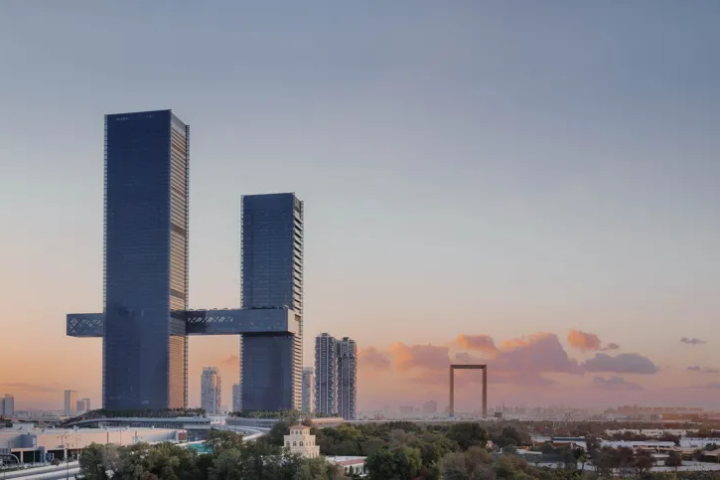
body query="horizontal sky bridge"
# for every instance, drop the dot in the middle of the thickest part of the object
(203, 322)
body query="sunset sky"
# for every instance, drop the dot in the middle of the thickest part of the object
(531, 184)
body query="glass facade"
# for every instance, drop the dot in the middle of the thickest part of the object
(146, 246)
(272, 273)
(347, 378)
(326, 374)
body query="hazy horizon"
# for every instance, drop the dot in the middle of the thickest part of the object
(528, 185)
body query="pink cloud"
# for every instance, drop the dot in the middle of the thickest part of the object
(464, 358)
(371, 358)
(429, 357)
(521, 363)
(231, 360)
(540, 352)
(479, 343)
(583, 341)
(612, 346)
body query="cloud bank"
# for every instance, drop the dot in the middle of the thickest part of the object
(370, 357)
(692, 341)
(523, 361)
(696, 368)
(588, 342)
(615, 383)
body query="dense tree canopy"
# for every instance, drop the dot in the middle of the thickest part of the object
(394, 451)
(231, 459)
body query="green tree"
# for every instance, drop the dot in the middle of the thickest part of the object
(396, 463)
(368, 446)
(170, 461)
(227, 466)
(626, 460)
(319, 469)
(277, 433)
(510, 435)
(593, 445)
(507, 468)
(203, 464)
(581, 456)
(475, 464)
(605, 461)
(644, 461)
(134, 461)
(674, 459)
(468, 434)
(93, 462)
(509, 449)
(221, 440)
(547, 448)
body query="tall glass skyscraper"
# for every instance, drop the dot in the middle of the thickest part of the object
(347, 378)
(272, 278)
(146, 245)
(145, 321)
(326, 374)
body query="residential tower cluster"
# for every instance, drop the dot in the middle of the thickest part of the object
(335, 388)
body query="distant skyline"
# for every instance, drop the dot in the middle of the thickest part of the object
(468, 169)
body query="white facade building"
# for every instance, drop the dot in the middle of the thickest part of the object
(308, 390)
(83, 405)
(301, 442)
(7, 405)
(211, 391)
(350, 465)
(29, 443)
(70, 403)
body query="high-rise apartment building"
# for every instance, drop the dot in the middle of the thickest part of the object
(430, 407)
(70, 403)
(308, 390)
(7, 405)
(146, 244)
(326, 374)
(272, 278)
(347, 378)
(83, 405)
(211, 391)
(237, 398)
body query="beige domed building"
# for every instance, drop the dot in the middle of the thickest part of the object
(301, 442)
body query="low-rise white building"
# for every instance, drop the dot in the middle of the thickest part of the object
(350, 465)
(33, 444)
(301, 442)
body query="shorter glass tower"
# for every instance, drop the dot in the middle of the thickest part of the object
(272, 278)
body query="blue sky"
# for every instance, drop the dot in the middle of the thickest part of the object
(468, 167)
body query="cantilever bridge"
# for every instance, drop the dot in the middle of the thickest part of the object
(203, 322)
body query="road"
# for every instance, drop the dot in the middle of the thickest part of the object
(50, 472)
